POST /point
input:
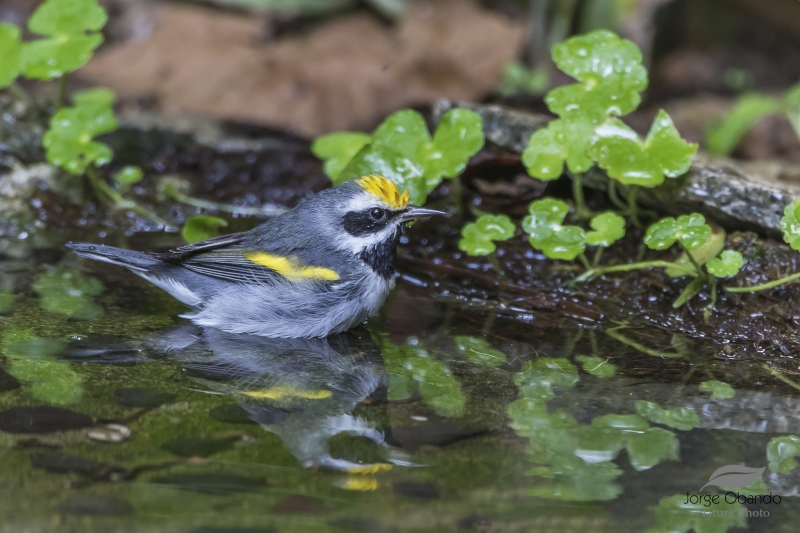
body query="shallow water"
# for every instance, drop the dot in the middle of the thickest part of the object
(441, 414)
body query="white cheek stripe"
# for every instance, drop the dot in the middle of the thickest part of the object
(356, 245)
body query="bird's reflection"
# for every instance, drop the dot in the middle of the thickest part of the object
(302, 390)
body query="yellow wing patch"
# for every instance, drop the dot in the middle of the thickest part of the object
(290, 268)
(287, 392)
(384, 189)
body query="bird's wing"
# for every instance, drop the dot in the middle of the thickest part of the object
(229, 258)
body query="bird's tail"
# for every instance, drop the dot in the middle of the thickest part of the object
(136, 261)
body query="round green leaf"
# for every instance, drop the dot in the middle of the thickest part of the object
(68, 292)
(726, 265)
(69, 24)
(477, 350)
(69, 143)
(129, 175)
(610, 71)
(393, 154)
(608, 228)
(619, 151)
(597, 366)
(458, 137)
(201, 227)
(718, 389)
(562, 141)
(477, 236)
(690, 230)
(546, 216)
(790, 224)
(337, 150)
(10, 47)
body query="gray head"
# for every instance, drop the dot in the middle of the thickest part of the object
(366, 213)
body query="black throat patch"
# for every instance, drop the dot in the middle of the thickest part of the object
(380, 257)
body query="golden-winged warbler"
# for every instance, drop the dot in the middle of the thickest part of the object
(320, 268)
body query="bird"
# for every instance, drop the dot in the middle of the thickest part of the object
(321, 268)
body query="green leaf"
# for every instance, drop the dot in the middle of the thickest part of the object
(562, 141)
(478, 351)
(403, 151)
(690, 291)
(70, 24)
(718, 389)
(69, 141)
(608, 228)
(477, 236)
(201, 227)
(10, 47)
(6, 302)
(519, 78)
(726, 265)
(537, 378)
(544, 225)
(650, 447)
(678, 417)
(723, 138)
(781, 453)
(337, 150)
(690, 230)
(411, 367)
(597, 366)
(393, 154)
(610, 71)
(68, 292)
(129, 175)
(702, 255)
(790, 224)
(32, 361)
(675, 516)
(619, 151)
(458, 137)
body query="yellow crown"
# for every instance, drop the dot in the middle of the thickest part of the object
(384, 189)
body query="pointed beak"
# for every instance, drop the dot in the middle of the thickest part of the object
(413, 212)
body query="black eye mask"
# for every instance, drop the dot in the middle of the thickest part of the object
(362, 223)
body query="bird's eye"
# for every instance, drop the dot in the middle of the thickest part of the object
(377, 213)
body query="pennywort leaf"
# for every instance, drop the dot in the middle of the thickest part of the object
(402, 149)
(690, 230)
(790, 224)
(597, 366)
(608, 228)
(458, 137)
(678, 417)
(68, 292)
(610, 72)
(718, 389)
(69, 141)
(619, 151)
(129, 175)
(477, 237)
(202, 227)
(10, 47)
(544, 226)
(71, 28)
(563, 141)
(726, 265)
(337, 149)
(477, 350)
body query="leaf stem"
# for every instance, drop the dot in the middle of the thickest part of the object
(613, 195)
(780, 376)
(765, 286)
(597, 254)
(582, 212)
(20, 93)
(633, 210)
(62, 91)
(585, 262)
(641, 347)
(227, 208)
(710, 307)
(592, 272)
(100, 186)
(693, 261)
